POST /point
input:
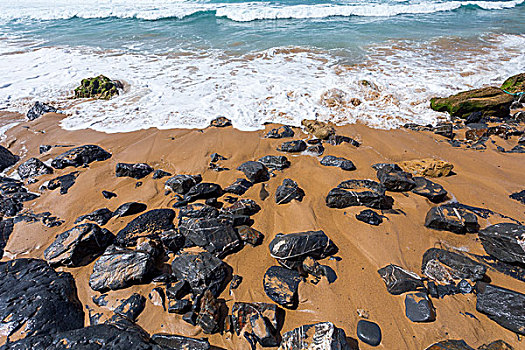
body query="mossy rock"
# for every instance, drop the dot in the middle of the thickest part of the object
(491, 101)
(515, 83)
(100, 87)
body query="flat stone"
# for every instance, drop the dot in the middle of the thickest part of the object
(275, 162)
(32, 168)
(281, 284)
(292, 146)
(451, 218)
(505, 242)
(445, 266)
(150, 224)
(428, 189)
(419, 308)
(64, 182)
(370, 217)
(399, 280)
(288, 191)
(135, 171)
(255, 171)
(181, 184)
(80, 156)
(359, 192)
(369, 332)
(280, 132)
(100, 216)
(339, 162)
(324, 335)
(130, 208)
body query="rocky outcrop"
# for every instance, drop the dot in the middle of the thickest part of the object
(281, 284)
(288, 191)
(324, 335)
(399, 280)
(451, 218)
(504, 242)
(338, 162)
(445, 266)
(135, 171)
(33, 167)
(80, 156)
(359, 192)
(150, 224)
(100, 87)
(7, 158)
(427, 167)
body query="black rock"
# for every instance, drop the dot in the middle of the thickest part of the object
(239, 187)
(33, 167)
(450, 345)
(131, 307)
(108, 195)
(242, 207)
(7, 158)
(254, 171)
(235, 282)
(78, 246)
(339, 162)
(262, 321)
(119, 268)
(399, 280)
(441, 291)
(465, 287)
(178, 290)
(44, 148)
(281, 284)
(197, 210)
(504, 306)
(444, 129)
(474, 117)
(100, 216)
(452, 218)
(519, 196)
(280, 132)
(504, 242)
(215, 157)
(419, 308)
(369, 332)
(275, 162)
(386, 166)
(209, 317)
(201, 270)
(150, 224)
(428, 189)
(176, 306)
(292, 146)
(445, 266)
(159, 174)
(40, 109)
(370, 217)
(170, 341)
(130, 208)
(220, 122)
(203, 190)
(80, 156)
(181, 184)
(64, 182)
(324, 335)
(395, 180)
(315, 150)
(37, 300)
(6, 228)
(516, 149)
(288, 191)
(336, 140)
(136, 171)
(359, 192)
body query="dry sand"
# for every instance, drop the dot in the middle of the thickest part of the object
(482, 178)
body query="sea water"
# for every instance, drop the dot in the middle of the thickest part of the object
(185, 62)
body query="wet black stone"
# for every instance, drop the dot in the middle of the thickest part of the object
(130, 208)
(6, 228)
(150, 224)
(292, 146)
(100, 216)
(170, 341)
(131, 307)
(159, 174)
(395, 180)
(281, 285)
(181, 184)
(419, 308)
(180, 307)
(370, 217)
(215, 157)
(324, 335)
(37, 299)
(399, 280)
(465, 287)
(78, 246)
(243, 206)
(178, 290)
(519, 196)
(339, 162)
(474, 117)
(369, 332)
(504, 306)
(315, 150)
(504, 242)
(44, 148)
(203, 190)
(80, 156)
(33, 167)
(7, 158)
(239, 187)
(275, 162)
(428, 189)
(39, 109)
(136, 171)
(255, 171)
(280, 132)
(336, 140)
(445, 266)
(108, 195)
(359, 192)
(288, 191)
(64, 182)
(451, 218)
(444, 129)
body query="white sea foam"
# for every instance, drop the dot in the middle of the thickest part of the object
(241, 12)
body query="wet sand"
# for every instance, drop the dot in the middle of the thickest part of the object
(482, 179)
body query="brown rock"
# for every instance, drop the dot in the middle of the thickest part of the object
(319, 129)
(427, 167)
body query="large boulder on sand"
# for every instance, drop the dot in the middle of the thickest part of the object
(100, 87)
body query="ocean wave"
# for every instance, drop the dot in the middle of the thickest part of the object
(239, 12)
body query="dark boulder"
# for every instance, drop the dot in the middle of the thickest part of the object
(170, 341)
(203, 190)
(419, 308)
(504, 306)
(281, 285)
(370, 217)
(100, 216)
(150, 224)
(504, 242)
(108, 194)
(6, 229)
(452, 218)
(64, 182)
(280, 132)
(209, 317)
(399, 280)
(254, 171)
(259, 321)
(243, 206)
(131, 307)
(39, 109)
(136, 171)
(130, 208)
(7, 158)
(339, 162)
(288, 191)
(428, 189)
(37, 300)
(275, 162)
(324, 335)
(369, 332)
(239, 187)
(496, 345)
(359, 192)
(119, 268)
(80, 156)
(33, 167)
(450, 345)
(181, 184)
(78, 246)
(220, 122)
(445, 266)
(395, 180)
(292, 146)
(159, 174)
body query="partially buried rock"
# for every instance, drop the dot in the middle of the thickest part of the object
(220, 122)
(395, 180)
(80, 156)
(451, 218)
(281, 285)
(78, 246)
(359, 192)
(258, 321)
(100, 87)
(370, 217)
(37, 300)
(369, 332)
(428, 189)
(209, 317)
(418, 308)
(255, 171)
(100, 216)
(339, 162)
(203, 190)
(149, 224)
(292, 146)
(64, 182)
(159, 174)
(504, 242)
(399, 280)
(288, 191)
(39, 109)
(445, 266)
(319, 129)
(427, 167)
(518, 196)
(504, 306)
(280, 132)
(7, 158)
(181, 184)
(450, 345)
(170, 341)
(275, 162)
(136, 171)
(131, 307)
(239, 187)
(324, 335)
(33, 167)
(130, 208)
(119, 268)
(108, 194)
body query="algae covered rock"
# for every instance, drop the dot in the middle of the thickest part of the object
(514, 84)
(491, 101)
(100, 87)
